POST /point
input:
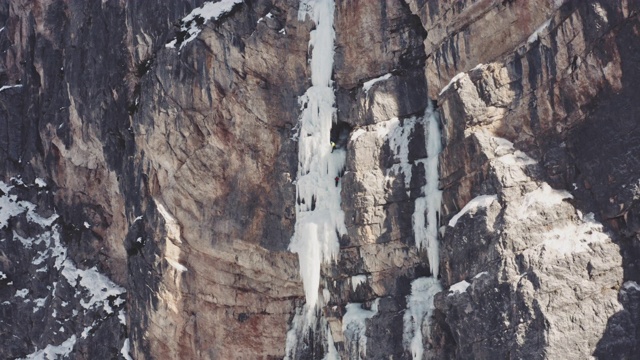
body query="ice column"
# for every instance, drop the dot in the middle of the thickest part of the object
(428, 207)
(319, 218)
(425, 228)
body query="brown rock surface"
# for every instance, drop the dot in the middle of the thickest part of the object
(173, 171)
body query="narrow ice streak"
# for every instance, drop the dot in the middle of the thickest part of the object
(482, 201)
(10, 87)
(536, 34)
(126, 349)
(367, 85)
(122, 317)
(332, 352)
(419, 309)
(176, 265)
(425, 229)
(631, 285)
(425, 215)
(354, 327)
(479, 275)
(319, 218)
(208, 11)
(453, 80)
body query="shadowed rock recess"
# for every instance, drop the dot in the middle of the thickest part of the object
(319, 179)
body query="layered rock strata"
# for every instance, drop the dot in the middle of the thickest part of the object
(165, 138)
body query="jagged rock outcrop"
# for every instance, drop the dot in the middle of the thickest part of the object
(161, 141)
(547, 259)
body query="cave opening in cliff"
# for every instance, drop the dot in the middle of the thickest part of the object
(340, 131)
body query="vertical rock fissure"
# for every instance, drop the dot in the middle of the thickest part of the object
(319, 217)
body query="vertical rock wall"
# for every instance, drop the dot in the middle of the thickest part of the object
(167, 148)
(528, 119)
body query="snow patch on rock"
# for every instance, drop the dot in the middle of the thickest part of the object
(192, 24)
(458, 287)
(357, 280)
(544, 195)
(54, 351)
(482, 201)
(368, 84)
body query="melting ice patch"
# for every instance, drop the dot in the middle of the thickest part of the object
(126, 350)
(354, 327)
(9, 208)
(40, 183)
(536, 34)
(302, 322)
(451, 82)
(398, 135)
(458, 287)
(508, 154)
(268, 16)
(419, 310)
(574, 238)
(628, 285)
(482, 201)
(191, 25)
(544, 195)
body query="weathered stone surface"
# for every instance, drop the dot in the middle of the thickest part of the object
(552, 273)
(173, 170)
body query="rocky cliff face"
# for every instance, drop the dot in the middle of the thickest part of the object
(170, 188)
